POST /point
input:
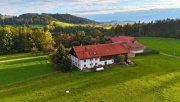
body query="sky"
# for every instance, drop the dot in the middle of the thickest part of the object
(82, 7)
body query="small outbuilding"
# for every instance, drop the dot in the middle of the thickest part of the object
(130, 43)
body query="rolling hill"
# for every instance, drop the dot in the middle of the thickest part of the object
(43, 19)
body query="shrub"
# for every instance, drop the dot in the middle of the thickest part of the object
(120, 58)
(48, 49)
(34, 50)
(149, 52)
(75, 43)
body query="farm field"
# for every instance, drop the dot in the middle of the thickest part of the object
(166, 45)
(154, 78)
(17, 71)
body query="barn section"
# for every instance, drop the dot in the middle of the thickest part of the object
(133, 46)
(91, 56)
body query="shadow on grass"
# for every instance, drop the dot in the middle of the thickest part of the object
(11, 75)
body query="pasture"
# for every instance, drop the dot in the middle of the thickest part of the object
(17, 71)
(166, 45)
(154, 78)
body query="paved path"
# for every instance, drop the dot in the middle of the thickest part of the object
(27, 58)
(169, 55)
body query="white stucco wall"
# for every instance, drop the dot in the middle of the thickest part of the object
(89, 63)
(137, 51)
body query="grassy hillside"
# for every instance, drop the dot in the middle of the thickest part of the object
(68, 18)
(153, 78)
(166, 45)
(63, 24)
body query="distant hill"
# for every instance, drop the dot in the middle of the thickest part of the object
(43, 19)
(71, 19)
(140, 15)
(5, 16)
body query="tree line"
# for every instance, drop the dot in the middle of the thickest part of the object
(27, 38)
(23, 39)
(159, 28)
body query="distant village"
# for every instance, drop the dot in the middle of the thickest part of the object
(97, 56)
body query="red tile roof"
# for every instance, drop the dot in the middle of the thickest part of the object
(134, 46)
(129, 42)
(122, 39)
(92, 51)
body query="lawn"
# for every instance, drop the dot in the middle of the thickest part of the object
(166, 45)
(11, 72)
(154, 78)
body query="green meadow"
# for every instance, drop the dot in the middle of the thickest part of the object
(166, 45)
(17, 71)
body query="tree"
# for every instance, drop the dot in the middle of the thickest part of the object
(60, 60)
(75, 43)
(6, 40)
(41, 38)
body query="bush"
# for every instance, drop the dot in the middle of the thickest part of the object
(75, 43)
(48, 49)
(149, 52)
(34, 50)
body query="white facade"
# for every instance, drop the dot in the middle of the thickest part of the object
(137, 51)
(90, 63)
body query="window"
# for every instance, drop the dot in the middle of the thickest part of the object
(84, 65)
(105, 63)
(96, 64)
(91, 59)
(91, 64)
(84, 60)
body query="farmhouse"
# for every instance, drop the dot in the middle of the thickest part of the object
(133, 46)
(91, 56)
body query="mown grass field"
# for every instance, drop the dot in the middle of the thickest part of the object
(154, 78)
(166, 45)
(17, 71)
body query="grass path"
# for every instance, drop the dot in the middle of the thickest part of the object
(19, 59)
(169, 55)
(20, 55)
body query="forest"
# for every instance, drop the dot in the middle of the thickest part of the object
(26, 38)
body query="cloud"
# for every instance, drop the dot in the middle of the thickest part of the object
(83, 7)
(159, 4)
